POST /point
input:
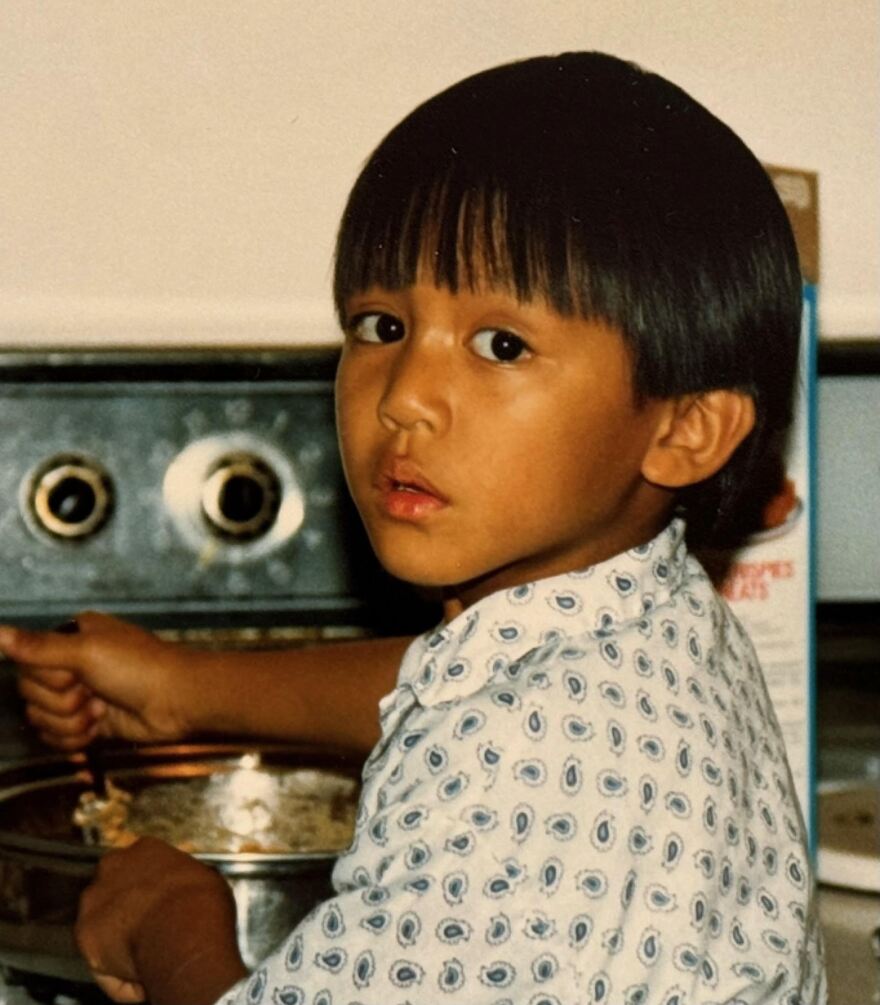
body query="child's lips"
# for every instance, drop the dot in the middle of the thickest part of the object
(406, 493)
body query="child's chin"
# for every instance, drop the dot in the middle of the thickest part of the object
(416, 575)
(418, 569)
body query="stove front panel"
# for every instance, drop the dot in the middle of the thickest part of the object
(168, 487)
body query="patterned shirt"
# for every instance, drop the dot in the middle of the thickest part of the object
(580, 795)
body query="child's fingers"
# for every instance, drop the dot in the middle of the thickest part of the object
(62, 701)
(67, 742)
(120, 990)
(79, 723)
(102, 953)
(46, 649)
(48, 679)
(64, 720)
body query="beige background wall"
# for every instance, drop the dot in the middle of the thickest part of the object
(172, 170)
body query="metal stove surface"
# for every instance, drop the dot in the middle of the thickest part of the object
(182, 489)
(196, 483)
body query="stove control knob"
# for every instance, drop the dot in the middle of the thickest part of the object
(71, 497)
(241, 496)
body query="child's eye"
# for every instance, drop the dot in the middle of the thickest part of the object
(499, 345)
(377, 327)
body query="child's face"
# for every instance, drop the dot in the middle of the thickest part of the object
(489, 442)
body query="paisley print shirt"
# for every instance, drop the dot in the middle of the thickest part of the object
(581, 796)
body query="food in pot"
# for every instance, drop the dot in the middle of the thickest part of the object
(246, 808)
(103, 820)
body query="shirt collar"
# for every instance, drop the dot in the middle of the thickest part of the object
(510, 630)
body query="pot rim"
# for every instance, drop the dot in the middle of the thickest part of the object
(51, 769)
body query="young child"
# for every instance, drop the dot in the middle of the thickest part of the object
(571, 304)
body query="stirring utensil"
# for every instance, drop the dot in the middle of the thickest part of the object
(94, 752)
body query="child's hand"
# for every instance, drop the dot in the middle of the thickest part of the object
(109, 677)
(158, 924)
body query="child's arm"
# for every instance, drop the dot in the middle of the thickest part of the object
(158, 923)
(114, 678)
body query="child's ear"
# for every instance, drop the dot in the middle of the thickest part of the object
(697, 435)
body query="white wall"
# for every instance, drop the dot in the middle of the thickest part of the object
(172, 170)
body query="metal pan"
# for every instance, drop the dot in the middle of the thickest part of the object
(45, 864)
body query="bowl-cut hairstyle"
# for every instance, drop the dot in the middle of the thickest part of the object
(612, 194)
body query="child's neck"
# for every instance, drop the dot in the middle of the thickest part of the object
(461, 596)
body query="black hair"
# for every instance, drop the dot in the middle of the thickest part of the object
(614, 195)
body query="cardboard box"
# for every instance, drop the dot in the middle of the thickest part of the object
(770, 581)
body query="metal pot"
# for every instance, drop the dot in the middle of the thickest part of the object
(45, 865)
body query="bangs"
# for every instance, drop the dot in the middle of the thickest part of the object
(462, 232)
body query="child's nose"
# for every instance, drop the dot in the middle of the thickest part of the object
(413, 388)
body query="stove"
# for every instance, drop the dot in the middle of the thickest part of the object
(197, 493)
(199, 486)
